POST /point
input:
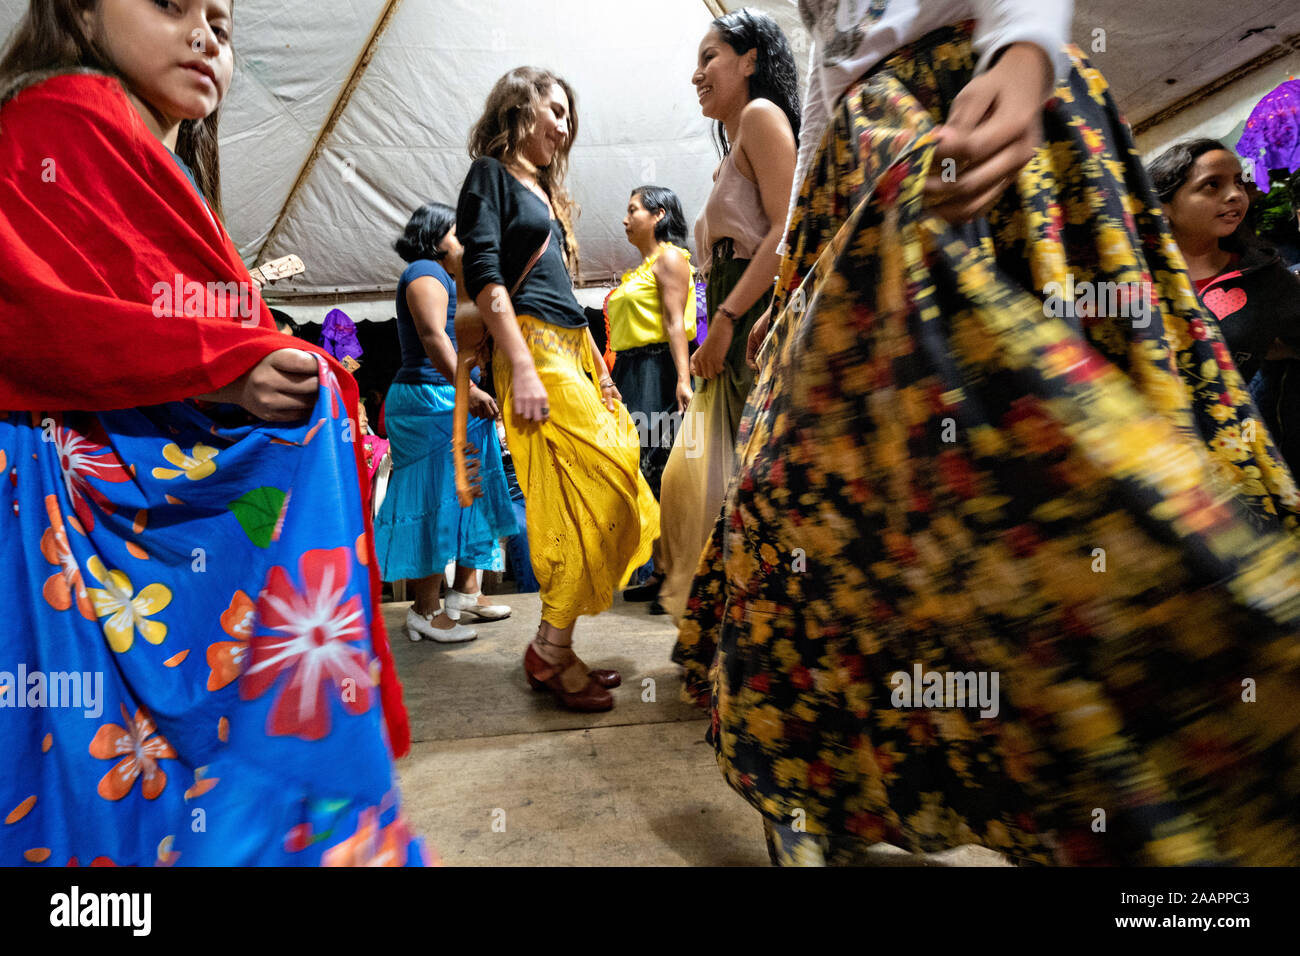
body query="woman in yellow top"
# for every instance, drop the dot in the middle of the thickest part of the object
(651, 320)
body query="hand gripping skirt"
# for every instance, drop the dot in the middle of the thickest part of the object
(421, 526)
(591, 517)
(188, 667)
(943, 469)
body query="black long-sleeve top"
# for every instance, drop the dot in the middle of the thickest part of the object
(501, 224)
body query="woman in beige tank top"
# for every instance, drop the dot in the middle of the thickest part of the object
(746, 82)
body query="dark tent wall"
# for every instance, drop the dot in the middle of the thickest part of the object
(381, 358)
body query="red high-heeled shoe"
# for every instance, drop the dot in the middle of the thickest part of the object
(602, 676)
(541, 674)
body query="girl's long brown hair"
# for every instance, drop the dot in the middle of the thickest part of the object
(50, 40)
(508, 117)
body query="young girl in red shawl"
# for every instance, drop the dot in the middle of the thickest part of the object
(199, 675)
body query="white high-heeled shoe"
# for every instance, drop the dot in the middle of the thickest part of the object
(459, 602)
(418, 626)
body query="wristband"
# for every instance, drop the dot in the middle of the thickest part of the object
(606, 382)
(727, 312)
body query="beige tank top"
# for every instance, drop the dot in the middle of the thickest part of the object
(734, 210)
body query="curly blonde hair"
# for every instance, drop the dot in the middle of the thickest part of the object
(509, 116)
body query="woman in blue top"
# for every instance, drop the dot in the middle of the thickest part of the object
(421, 527)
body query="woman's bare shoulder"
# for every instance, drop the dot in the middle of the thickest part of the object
(763, 116)
(764, 131)
(671, 262)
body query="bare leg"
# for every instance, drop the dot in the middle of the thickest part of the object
(427, 602)
(466, 581)
(555, 646)
(470, 597)
(426, 595)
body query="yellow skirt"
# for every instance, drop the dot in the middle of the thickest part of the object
(592, 518)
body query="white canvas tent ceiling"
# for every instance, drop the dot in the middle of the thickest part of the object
(346, 114)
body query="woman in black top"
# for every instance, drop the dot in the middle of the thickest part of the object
(591, 517)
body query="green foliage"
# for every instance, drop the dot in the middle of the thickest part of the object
(1275, 213)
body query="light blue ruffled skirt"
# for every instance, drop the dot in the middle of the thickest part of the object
(421, 526)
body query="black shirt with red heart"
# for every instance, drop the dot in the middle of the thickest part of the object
(1256, 300)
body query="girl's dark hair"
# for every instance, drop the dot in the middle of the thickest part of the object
(775, 76)
(427, 227)
(283, 320)
(672, 227)
(1169, 172)
(49, 41)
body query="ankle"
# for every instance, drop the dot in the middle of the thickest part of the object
(551, 650)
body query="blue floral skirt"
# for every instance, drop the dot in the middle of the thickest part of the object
(187, 671)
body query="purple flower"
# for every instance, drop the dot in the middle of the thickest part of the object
(339, 336)
(1272, 136)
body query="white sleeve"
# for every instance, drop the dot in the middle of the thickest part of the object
(1045, 23)
(812, 123)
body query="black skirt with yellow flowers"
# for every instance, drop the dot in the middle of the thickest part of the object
(953, 464)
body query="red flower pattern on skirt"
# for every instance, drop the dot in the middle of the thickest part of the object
(309, 633)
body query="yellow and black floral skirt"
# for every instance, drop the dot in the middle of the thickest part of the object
(945, 471)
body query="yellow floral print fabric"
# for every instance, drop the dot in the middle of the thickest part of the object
(939, 468)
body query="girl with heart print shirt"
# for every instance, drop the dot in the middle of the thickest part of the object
(1241, 281)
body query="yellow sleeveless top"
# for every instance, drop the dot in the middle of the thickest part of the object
(636, 311)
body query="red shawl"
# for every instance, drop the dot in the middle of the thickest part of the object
(94, 213)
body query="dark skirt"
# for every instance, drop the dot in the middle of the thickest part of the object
(647, 380)
(1276, 389)
(938, 472)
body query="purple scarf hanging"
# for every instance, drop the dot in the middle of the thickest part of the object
(1272, 136)
(339, 336)
(701, 311)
